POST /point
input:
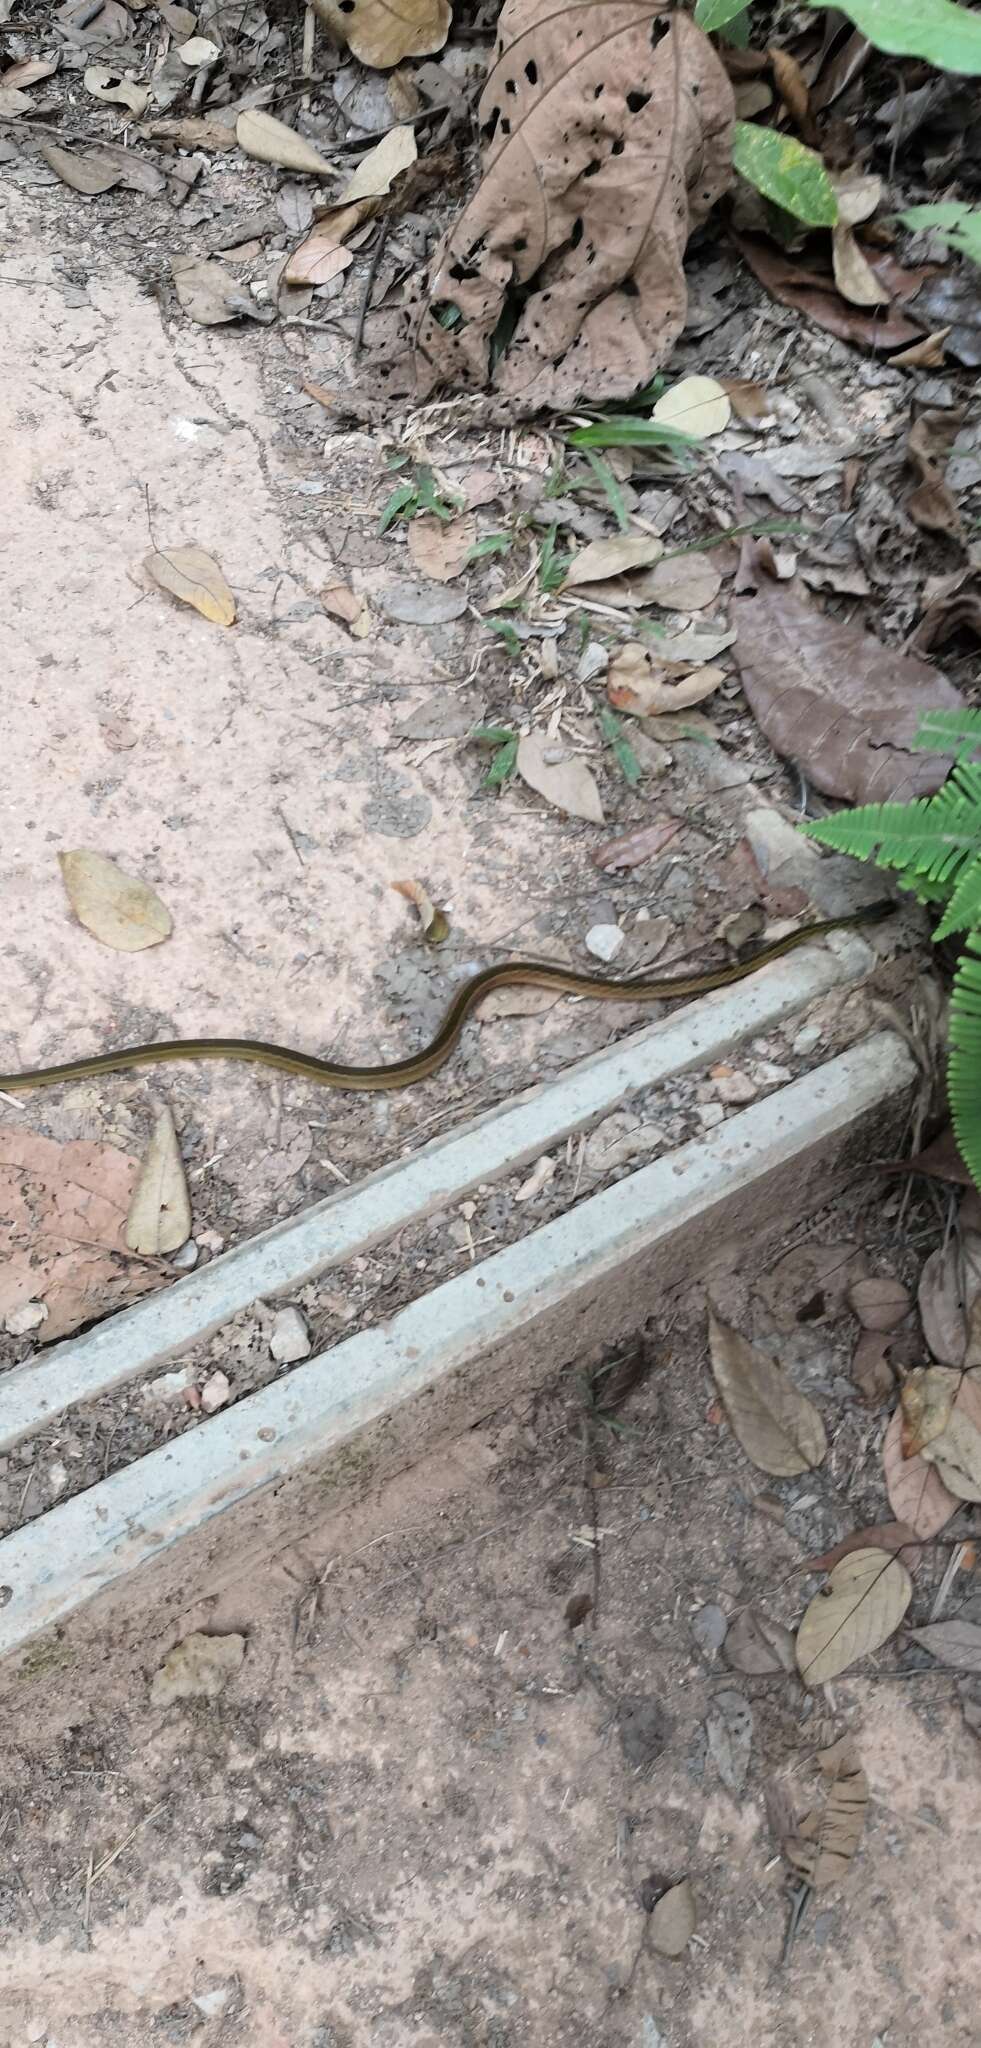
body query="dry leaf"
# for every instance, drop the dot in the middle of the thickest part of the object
(917, 1494)
(434, 922)
(561, 778)
(538, 1179)
(854, 276)
(698, 406)
(832, 698)
(90, 174)
(950, 1285)
(955, 1453)
(871, 1371)
(344, 604)
(865, 1599)
(381, 35)
(636, 682)
(879, 1302)
(792, 86)
(62, 1212)
(272, 142)
(159, 1218)
(209, 292)
(604, 558)
(116, 908)
(858, 195)
(29, 71)
(320, 256)
(926, 1402)
(193, 577)
(377, 170)
(634, 847)
(749, 401)
(890, 1536)
(758, 1646)
(777, 1426)
(826, 1840)
(113, 86)
(933, 505)
(198, 50)
(954, 1643)
(927, 354)
(685, 583)
(626, 180)
(179, 20)
(441, 547)
(815, 296)
(674, 1919)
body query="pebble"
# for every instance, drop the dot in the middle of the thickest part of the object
(807, 1039)
(709, 1114)
(289, 1338)
(604, 941)
(25, 1318)
(187, 1257)
(769, 1075)
(57, 1478)
(169, 1386)
(734, 1087)
(215, 1392)
(211, 2003)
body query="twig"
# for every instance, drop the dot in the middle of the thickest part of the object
(376, 257)
(94, 1870)
(306, 55)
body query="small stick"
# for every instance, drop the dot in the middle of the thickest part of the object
(306, 57)
(376, 257)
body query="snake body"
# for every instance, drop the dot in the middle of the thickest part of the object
(419, 1065)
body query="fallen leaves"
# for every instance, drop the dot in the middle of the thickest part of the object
(917, 1493)
(434, 922)
(116, 908)
(89, 174)
(116, 88)
(159, 1218)
(211, 295)
(639, 683)
(828, 1837)
(758, 1646)
(698, 406)
(381, 35)
(378, 170)
(786, 171)
(272, 142)
(954, 1643)
(777, 1426)
(814, 294)
(832, 698)
(864, 1600)
(560, 777)
(673, 1919)
(62, 1216)
(344, 604)
(601, 266)
(194, 578)
(932, 505)
(634, 847)
(441, 548)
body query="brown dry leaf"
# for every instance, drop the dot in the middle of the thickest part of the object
(832, 698)
(879, 1302)
(62, 1213)
(634, 847)
(120, 911)
(272, 142)
(381, 35)
(606, 558)
(180, 21)
(927, 354)
(891, 1536)
(90, 174)
(777, 1426)
(560, 777)
(926, 1401)
(159, 1218)
(685, 583)
(758, 1646)
(954, 1643)
(434, 922)
(750, 401)
(854, 276)
(815, 296)
(956, 611)
(871, 1371)
(113, 86)
(344, 604)
(950, 1285)
(697, 405)
(192, 131)
(865, 1599)
(29, 71)
(640, 684)
(858, 195)
(792, 86)
(377, 170)
(628, 175)
(933, 505)
(917, 1494)
(674, 1919)
(440, 548)
(319, 257)
(209, 293)
(956, 1455)
(193, 577)
(826, 1839)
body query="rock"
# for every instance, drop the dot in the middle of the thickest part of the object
(732, 1086)
(211, 2003)
(197, 1669)
(604, 941)
(28, 1317)
(289, 1338)
(57, 1478)
(729, 1727)
(215, 1392)
(186, 1258)
(168, 1386)
(709, 1114)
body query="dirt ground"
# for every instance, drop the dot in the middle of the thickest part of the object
(429, 1809)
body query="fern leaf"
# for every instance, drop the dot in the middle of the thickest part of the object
(964, 1064)
(950, 732)
(963, 912)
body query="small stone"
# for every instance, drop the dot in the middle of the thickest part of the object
(197, 1668)
(215, 1393)
(211, 2003)
(289, 1339)
(769, 1075)
(604, 941)
(807, 1039)
(169, 1386)
(210, 1241)
(709, 1114)
(593, 661)
(732, 1086)
(27, 1317)
(57, 1478)
(187, 1257)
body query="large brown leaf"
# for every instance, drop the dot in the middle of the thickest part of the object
(606, 130)
(815, 295)
(62, 1216)
(832, 698)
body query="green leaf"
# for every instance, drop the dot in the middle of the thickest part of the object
(938, 30)
(950, 732)
(964, 1063)
(552, 567)
(398, 504)
(491, 735)
(786, 172)
(503, 764)
(959, 225)
(505, 631)
(712, 14)
(736, 32)
(492, 544)
(626, 432)
(610, 488)
(429, 498)
(625, 757)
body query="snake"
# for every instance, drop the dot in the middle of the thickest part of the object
(545, 974)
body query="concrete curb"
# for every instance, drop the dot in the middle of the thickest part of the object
(252, 1478)
(142, 1338)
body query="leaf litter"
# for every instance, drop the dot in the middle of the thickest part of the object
(118, 909)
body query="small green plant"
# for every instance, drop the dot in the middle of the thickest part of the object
(553, 568)
(504, 745)
(416, 494)
(933, 845)
(615, 734)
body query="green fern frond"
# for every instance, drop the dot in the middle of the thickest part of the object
(964, 1063)
(963, 912)
(950, 732)
(931, 841)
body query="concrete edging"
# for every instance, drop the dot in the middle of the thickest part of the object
(252, 1477)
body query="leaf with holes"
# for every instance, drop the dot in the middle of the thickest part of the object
(777, 1426)
(827, 1838)
(864, 1600)
(381, 34)
(623, 117)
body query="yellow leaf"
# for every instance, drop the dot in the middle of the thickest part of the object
(159, 1218)
(195, 579)
(777, 1426)
(374, 175)
(121, 911)
(864, 1600)
(698, 406)
(854, 276)
(381, 34)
